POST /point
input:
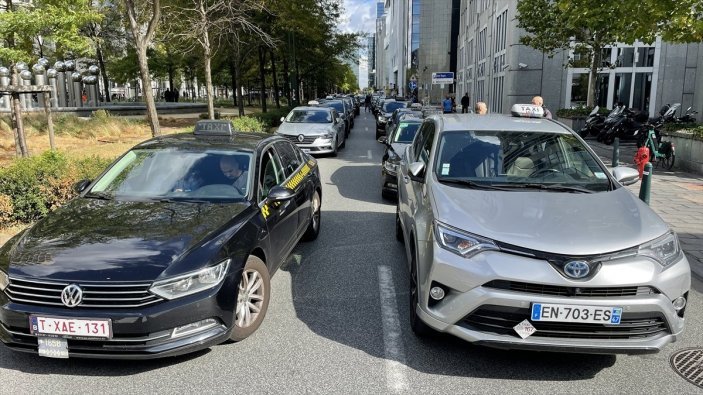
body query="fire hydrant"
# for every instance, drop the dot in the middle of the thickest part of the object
(641, 159)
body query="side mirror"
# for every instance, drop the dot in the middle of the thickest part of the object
(81, 185)
(280, 194)
(383, 140)
(417, 171)
(283, 119)
(626, 175)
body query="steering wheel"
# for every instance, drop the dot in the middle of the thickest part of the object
(545, 172)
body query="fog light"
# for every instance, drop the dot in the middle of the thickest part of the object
(195, 327)
(437, 293)
(679, 303)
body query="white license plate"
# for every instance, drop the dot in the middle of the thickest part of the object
(71, 327)
(52, 347)
(576, 313)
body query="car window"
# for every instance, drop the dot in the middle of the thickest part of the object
(309, 116)
(271, 173)
(427, 140)
(393, 105)
(519, 158)
(289, 159)
(417, 141)
(170, 173)
(405, 132)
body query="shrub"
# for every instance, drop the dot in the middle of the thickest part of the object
(248, 124)
(272, 118)
(579, 112)
(37, 185)
(205, 115)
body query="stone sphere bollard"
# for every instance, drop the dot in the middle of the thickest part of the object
(93, 70)
(70, 65)
(60, 66)
(26, 75)
(76, 76)
(38, 69)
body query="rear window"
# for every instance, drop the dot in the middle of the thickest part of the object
(393, 105)
(337, 105)
(405, 133)
(309, 116)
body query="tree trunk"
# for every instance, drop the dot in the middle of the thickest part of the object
(151, 115)
(16, 115)
(275, 79)
(286, 84)
(262, 76)
(593, 77)
(103, 72)
(237, 77)
(208, 83)
(233, 74)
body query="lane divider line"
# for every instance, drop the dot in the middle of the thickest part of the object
(394, 351)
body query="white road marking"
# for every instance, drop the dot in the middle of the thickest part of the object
(392, 336)
(368, 155)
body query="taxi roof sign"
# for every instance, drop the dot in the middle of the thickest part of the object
(313, 103)
(527, 111)
(213, 128)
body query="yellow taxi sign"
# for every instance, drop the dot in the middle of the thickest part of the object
(527, 111)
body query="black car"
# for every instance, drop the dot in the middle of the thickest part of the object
(396, 142)
(385, 112)
(169, 251)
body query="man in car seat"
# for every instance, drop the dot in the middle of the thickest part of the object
(229, 165)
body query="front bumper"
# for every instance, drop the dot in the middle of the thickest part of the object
(141, 333)
(320, 146)
(389, 180)
(476, 310)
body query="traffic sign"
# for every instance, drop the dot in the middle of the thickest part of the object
(443, 78)
(412, 85)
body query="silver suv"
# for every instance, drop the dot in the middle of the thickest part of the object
(517, 236)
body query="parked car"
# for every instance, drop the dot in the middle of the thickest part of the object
(341, 107)
(518, 236)
(315, 130)
(396, 142)
(385, 112)
(163, 254)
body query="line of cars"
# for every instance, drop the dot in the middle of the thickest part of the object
(517, 236)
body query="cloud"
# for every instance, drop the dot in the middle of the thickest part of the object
(359, 16)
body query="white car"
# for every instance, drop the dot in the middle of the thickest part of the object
(316, 130)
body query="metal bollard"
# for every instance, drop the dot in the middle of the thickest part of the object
(616, 152)
(646, 183)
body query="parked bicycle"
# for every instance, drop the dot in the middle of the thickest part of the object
(660, 154)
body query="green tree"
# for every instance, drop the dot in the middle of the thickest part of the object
(588, 26)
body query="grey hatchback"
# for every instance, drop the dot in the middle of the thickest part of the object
(517, 236)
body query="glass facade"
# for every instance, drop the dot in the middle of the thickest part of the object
(380, 11)
(415, 33)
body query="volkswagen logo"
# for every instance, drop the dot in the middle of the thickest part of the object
(301, 138)
(577, 269)
(72, 295)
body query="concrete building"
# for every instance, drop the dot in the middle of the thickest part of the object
(492, 66)
(395, 45)
(380, 78)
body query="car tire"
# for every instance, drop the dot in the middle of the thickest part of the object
(398, 227)
(314, 226)
(250, 298)
(387, 195)
(344, 144)
(416, 324)
(377, 134)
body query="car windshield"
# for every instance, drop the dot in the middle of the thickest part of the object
(393, 105)
(405, 132)
(309, 116)
(176, 174)
(517, 159)
(337, 105)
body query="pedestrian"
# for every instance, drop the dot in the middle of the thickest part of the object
(175, 95)
(367, 102)
(453, 97)
(465, 101)
(447, 105)
(481, 108)
(538, 101)
(167, 95)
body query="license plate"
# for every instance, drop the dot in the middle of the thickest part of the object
(52, 347)
(71, 327)
(576, 313)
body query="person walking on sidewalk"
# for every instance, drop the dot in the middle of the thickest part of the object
(538, 101)
(481, 108)
(447, 105)
(465, 103)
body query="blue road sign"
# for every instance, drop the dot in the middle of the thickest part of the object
(412, 85)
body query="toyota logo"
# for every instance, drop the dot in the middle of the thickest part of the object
(577, 269)
(301, 138)
(72, 295)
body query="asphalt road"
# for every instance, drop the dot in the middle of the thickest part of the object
(338, 323)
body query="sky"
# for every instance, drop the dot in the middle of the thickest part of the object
(360, 16)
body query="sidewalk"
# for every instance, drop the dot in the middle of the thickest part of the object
(676, 196)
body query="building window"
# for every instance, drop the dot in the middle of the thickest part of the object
(497, 102)
(579, 89)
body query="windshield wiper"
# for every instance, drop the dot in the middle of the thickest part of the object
(184, 200)
(100, 195)
(471, 184)
(543, 187)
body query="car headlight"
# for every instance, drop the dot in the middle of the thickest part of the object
(327, 136)
(191, 283)
(381, 118)
(4, 280)
(390, 167)
(462, 243)
(665, 249)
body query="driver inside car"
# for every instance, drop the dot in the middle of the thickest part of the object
(230, 167)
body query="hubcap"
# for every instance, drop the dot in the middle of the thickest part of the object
(250, 298)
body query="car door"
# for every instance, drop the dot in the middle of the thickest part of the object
(300, 206)
(276, 215)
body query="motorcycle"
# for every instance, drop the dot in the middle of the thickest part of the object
(688, 117)
(594, 123)
(610, 120)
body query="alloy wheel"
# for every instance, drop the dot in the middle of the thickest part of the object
(250, 298)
